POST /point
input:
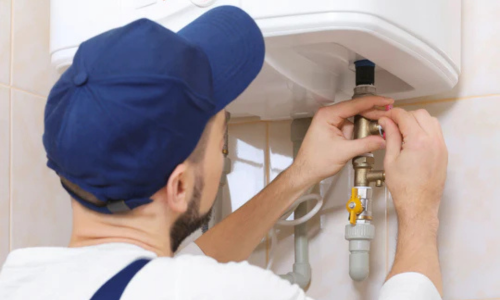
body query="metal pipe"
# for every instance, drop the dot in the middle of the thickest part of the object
(360, 231)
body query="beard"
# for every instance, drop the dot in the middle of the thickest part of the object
(191, 220)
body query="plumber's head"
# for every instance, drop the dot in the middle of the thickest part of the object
(135, 127)
(189, 193)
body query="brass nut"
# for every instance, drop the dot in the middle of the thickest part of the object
(364, 160)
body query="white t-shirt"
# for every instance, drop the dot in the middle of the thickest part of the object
(77, 273)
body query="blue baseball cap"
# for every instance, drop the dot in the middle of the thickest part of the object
(136, 99)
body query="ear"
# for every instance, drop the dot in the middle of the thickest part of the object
(177, 189)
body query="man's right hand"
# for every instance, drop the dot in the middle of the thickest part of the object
(415, 164)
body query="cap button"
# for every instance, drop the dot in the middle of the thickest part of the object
(80, 78)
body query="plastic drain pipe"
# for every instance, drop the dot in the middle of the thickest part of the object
(301, 274)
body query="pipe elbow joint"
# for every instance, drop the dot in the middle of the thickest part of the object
(301, 275)
(302, 272)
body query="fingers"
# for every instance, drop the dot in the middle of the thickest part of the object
(337, 113)
(431, 127)
(425, 121)
(365, 145)
(415, 122)
(374, 114)
(392, 137)
(406, 121)
(428, 123)
(347, 129)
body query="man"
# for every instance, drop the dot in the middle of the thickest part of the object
(135, 129)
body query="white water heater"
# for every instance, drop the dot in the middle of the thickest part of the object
(310, 45)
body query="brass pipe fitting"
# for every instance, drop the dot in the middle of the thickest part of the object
(376, 176)
(360, 231)
(362, 166)
(364, 127)
(363, 173)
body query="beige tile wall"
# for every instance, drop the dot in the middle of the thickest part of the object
(34, 210)
(5, 19)
(36, 192)
(4, 171)
(30, 46)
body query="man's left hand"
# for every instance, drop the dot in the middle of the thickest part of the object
(328, 144)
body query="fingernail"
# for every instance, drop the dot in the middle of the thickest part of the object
(388, 107)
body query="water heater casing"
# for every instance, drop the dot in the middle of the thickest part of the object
(310, 45)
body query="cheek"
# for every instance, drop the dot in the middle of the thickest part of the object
(213, 171)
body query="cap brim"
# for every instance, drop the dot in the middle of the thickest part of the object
(234, 46)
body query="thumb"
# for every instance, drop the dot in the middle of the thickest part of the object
(393, 137)
(365, 145)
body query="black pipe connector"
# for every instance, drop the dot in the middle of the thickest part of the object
(365, 72)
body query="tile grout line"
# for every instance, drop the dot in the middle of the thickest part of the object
(11, 120)
(23, 91)
(11, 190)
(11, 75)
(236, 123)
(423, 102)
(267, 177)
(428, 102)
(386, 231)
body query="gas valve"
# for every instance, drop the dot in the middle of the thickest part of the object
(354, 206)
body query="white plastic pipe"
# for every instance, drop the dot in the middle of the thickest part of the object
(301, 274)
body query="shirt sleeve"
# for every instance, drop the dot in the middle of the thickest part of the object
(409, 286)
(191, 249)
(232, 281)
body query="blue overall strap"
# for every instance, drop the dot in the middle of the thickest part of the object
(114, 287)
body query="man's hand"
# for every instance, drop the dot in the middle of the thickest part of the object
(325, 150)
(415, 166)
(327, 146)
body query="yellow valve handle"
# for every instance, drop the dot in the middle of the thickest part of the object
(354, 206)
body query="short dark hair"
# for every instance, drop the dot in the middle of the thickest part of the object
(83, 194)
